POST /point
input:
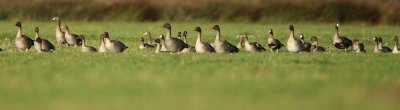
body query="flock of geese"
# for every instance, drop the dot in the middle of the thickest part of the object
(179, 44)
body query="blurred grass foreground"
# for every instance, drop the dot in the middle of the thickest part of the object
(365, 11)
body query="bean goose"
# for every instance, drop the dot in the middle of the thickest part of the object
(60, 35)
(43, 45)
(341, 42)
(202, 47)
(253, 46)
(23, 42)
(143, 45)
(240, 43)
(102, 48)
(358, 47)
(314, 45)
(72, 39)
(306, 45)
(223, 46)
(113, 45)
(273, 44)
(396, 41)
(379, 48)
(173, 44)
(86, 48)
(294, 44)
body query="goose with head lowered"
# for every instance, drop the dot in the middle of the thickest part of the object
(44, 45)
(294, 44)
(341, 42)
(396, 49)
(113, 45)
(306, 45)
(357, 46)
(72, 39)
(379, 48)
(86, 48)
(202, 47)
(315, 46)
(223, 46)
(22, 42)
(251, 46)
(173, 44)
(60, 35)
(273, 44)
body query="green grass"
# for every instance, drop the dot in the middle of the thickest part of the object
(139, 79)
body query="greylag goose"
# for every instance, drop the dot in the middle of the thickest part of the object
(72, 39)
(379, 48)
(143, 45)
(23, 42)
(358, 47)
(86, 48)
(173, 44)
(341, 42)
(306, 45)
(253, 46)
(113, 45)
(314, 45)
(223, 46)
(60, 35)
(240, 43)
(396, 42)
(102, 48)
(43, 45)
(202, 47)
(294, 44)
(273, 44)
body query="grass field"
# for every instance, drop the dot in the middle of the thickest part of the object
(139, 79)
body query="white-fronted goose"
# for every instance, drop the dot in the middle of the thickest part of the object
(60, 35)
(173, 44)
(143, 45)
(273, 44)
(341, 42)
(102, 47)
(202, 47)
(379, 48)
(72, 39)
(396, 41)
(240, 43)
(113, 45)
(294, 44)
(44, 45)
(23, 42)
(358, 47)
(223, 46)
(253, 46)
(306, 45)
(148, 34)
(86, 48)
(314, 45)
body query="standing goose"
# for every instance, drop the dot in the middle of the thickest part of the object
(379, 48)
(102, 48)
(306, 45)
(273, 44)
(43, 45)
(143, 45)
(173, 44)
(23, 42)
(314, 45)
(148, 34)
(72, 39)
(358, 47)
(86, 48)
(253, 46)
(223, 46)
(396, 41)
(202, 47)
(113, 45)
(341, 42)
(294, 44)
(240, 43)
(60, 35)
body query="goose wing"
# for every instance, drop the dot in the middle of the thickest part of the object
(119, 44)
(258, 46)
(28, 40)
(231, 47)
(48, 44)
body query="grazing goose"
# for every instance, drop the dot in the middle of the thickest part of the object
(113, 45)
(306, 45)
(72, 39)
(294, 44)
(341, 42)
(86, 48)
(358, 47)
(60, 35)
(43, 45)
(202, 47)
(23, 42)
(173, 44)
(314, 45)
(143, 45)
(253, 46)
(240, 43)
(273, 44)
(396, 41)
(379, 48)
(223, 46)
(102, 48)
(148, 34)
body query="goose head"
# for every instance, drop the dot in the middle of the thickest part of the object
(65, 27)
(82, 37)
(301, 36)
(184, 33)
(291, 28)
(18, 24)
(197, 29)
(146, 34)
(38, 39)
(158, 41)
(270, 32)
(216, 27)
(395, 38)
(179, 35)
(337, 26)
(167, 26)
(36, 29)
(55, 18)
(141, 40)
(376, 39)
(106, 35)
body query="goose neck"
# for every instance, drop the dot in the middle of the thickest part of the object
(168, 34)
(19, 32)
(218, 36)
(158, 47)
(36, 35)
(396, 43)
(150, 41)
(198, 37)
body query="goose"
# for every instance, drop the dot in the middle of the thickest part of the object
(253, 46)
(148, 34)
(184, 35)
(179, 36)
(189, 49)
(37, 43)
(358, 47)
(306, 45)
(159, 42)
(273, 44)
(143, 45)
(379, 48)
(396, 41)
(223, 46)
(23, 42)
(86, 48)
(314, 45)
(72, 39)
(173, 44)
(113, 45)
(60, 35)
(341, 42)
(294, 44)
(43, 45)
(240, 43)
(200, 46)
(102, 48)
